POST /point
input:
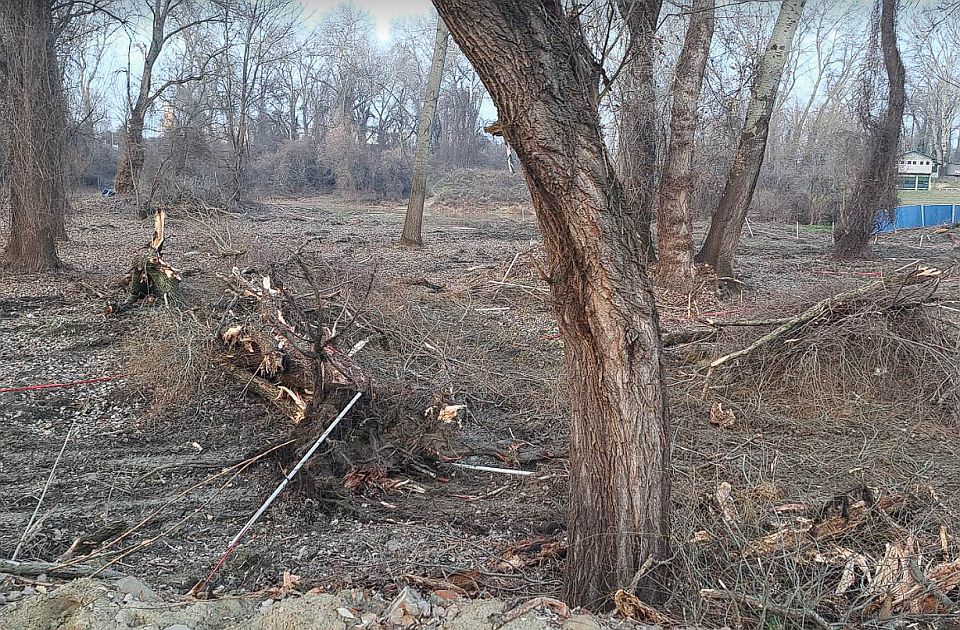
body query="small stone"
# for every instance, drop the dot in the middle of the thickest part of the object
(406, 605)
(41, 589)
(178, 626)
(28, 591)
(345, 613)
(42, 578)
(445, 596)
(132, 586)
(581, 622)
(12, 595)
(368, 619)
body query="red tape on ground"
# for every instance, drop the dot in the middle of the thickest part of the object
(29, 388)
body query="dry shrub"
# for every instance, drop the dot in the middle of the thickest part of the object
(366, 170)
(483, 186)
(295, 167)
(909, 358)
(169, 354)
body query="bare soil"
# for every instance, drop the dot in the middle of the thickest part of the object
(469, 318)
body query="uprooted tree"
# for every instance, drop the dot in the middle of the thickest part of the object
(544, 81)
(875, 188)
(37, 133)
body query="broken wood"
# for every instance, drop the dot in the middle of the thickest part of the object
(150, 277)
(800, 614)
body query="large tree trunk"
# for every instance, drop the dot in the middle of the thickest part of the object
(413, 224)
(875, 189)
(722, 240)
(675, 266)
(543, 79)
(130, 164)
(637, 146)
(36, 117)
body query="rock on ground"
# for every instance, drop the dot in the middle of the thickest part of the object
(88, 604)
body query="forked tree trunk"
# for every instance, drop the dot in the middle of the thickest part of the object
(875, 189)
(413, 224)
(675, 267)
(637, 146)
(722, 240)
(37, 135)
(543, 80)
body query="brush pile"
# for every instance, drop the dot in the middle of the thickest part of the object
(893, 341)
(280, 333)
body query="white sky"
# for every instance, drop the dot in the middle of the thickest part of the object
(383, 11)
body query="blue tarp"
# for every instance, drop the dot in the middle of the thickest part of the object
(923, 215)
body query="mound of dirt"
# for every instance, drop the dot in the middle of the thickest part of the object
(86, 604)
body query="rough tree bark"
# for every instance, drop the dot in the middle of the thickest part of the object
(875, 188)
(637, 146)
(722, 240)
(413, 224)
(543, 79)
(36, 120)
(675, 267)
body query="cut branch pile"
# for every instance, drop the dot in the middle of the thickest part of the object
(893, 340)
(278, 335)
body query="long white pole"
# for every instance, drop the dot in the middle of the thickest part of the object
(293, 472)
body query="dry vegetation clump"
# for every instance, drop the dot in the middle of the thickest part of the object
(895, 346)
(173, 363)
(471, 187)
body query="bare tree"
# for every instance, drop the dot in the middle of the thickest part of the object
(637, 143)
(875, 187)
(36, 120)
(413, 224)
(675, 267)
(722, 240)
(250, 46)
(544, 81)
(161, 12)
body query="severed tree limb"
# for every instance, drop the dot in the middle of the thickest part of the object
(281, 397)
(50, 569)
(830, 307)
(756, 602)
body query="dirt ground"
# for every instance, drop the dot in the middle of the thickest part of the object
(471, 320)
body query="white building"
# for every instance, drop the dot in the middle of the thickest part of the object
(916, 170)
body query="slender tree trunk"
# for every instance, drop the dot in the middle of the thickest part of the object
(36, 114)
(413, 224)
(722, 240)
(875, 189)
(543, 80)
(637, 146)
(675, 267)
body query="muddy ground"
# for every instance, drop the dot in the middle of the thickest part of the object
(471, 319)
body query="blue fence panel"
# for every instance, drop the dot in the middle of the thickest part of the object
(914, 216)
(937, 214)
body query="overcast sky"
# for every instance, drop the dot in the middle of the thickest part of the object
(383, 11)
